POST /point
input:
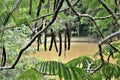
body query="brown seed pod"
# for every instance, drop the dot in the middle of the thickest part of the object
(45, 42)
(30, 8)
(65, 43)
(39, 8)
(38, 43)
(65, 40)
(68, 32)
(55, 42)
(38, 11)
(60, 43)
(3, 57)
(52, 38)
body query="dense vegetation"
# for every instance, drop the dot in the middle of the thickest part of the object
(22, 19)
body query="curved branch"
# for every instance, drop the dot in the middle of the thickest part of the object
(109, 10)
(109, 37)
(100, 48)
(105, 17)
(33, 39)
(41, 17)
(72, 8)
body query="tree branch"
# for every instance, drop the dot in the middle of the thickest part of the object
(109, 37)
(109, 10)
(72, 8)
(33, 39)
(41, 17)
(11, 11)
(105, 17)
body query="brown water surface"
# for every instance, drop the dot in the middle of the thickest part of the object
(77, 49)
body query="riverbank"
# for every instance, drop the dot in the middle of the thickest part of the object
(84, 39)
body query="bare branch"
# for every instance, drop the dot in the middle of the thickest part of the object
(11, 11)
(108, 9)
(72, 8)
(100, 48)
(105, 17)
(41, 17)
(33, 39)
(108, 37)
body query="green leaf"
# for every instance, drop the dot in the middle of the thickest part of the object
(116, 71)
(31, 74)
(108, 70)
(80, 60)
(63, 16)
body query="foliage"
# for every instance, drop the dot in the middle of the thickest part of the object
(31, 74)
(14, 35)
(70, 71)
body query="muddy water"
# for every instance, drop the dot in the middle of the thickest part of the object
(77, 49)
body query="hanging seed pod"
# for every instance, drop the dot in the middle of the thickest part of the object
(39, 8)
(65, 43)
(38, 43)
(55, 42)
(65, 40)
(68, 29)
(52, 37)
(38, 11)
(69, 42)
(30, 9)
(60, 43)
(3, 57)
(45, 41)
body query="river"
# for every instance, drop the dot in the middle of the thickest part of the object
(77, 49)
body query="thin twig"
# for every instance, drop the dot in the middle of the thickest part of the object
(109, 10)
(11, 11)
(41, 17)
(105, 17)
(69, 4)
(33, 39)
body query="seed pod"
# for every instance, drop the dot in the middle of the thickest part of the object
(52, 37)
(39, 8)
(60, 43)
(30, 9)
(38, 11)
(55, 43)
(69, 43)
(65, 40)
(38, 43)
(3, 57)
(45, 42)
(68, 29)
(65, 43)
